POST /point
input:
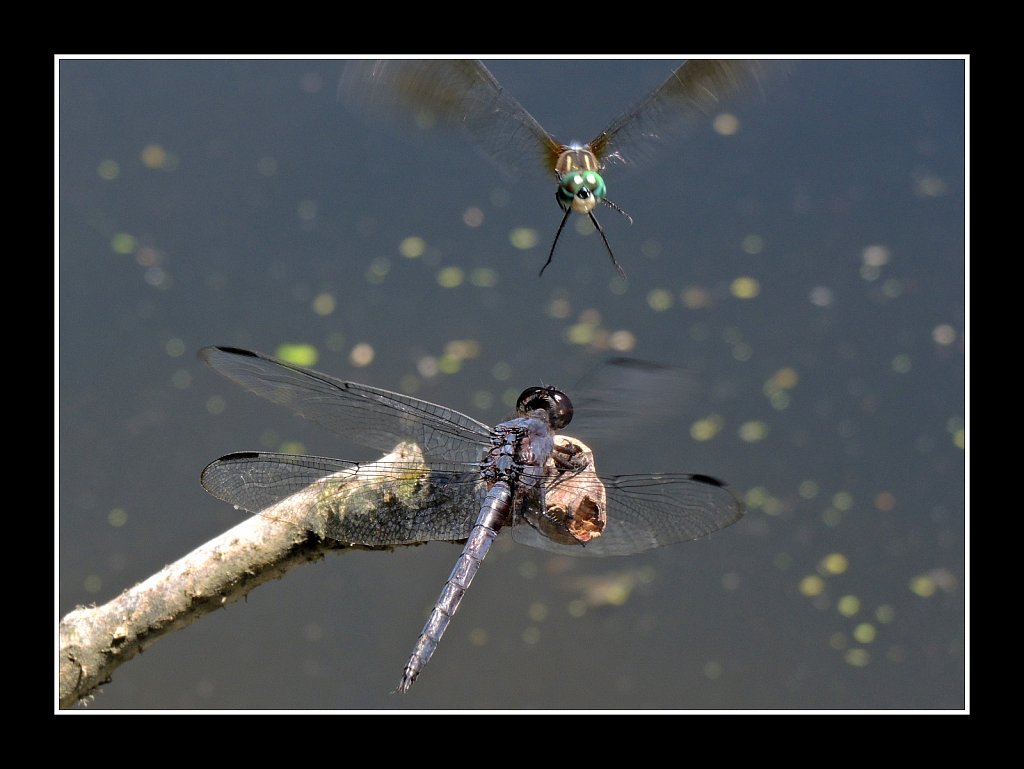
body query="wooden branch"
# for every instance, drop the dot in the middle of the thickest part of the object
(95, 640)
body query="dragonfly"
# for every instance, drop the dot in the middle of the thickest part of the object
(467, 482)
(465, 94)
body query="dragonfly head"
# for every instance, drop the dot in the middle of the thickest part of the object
(554, 403)
(581, 190)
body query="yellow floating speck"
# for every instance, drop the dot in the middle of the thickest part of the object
(450, 277)
(622, 341)
(580, 333)
(960, 438)
(117, 517)
(745, 287)
(784, 379)
(483, 277)
(174, 347)
(478, 636)
(726, 124)
(154, 156)
(538, 612)
(753, 431)
(807, 490)
(892, 288)
(821, 296)
(559, 308)
(848, 605)
(842, 500)
(378, 270)
(901, 364)
(923, 586)
(93, 583)
(876, 256)
(812, 585)
(361, 355)
(123, 243)
(857, 658)
(833, 563)
(944, 334)
(215, 404)
(832, 517)
(864, 633)
(707, 428)
(752, 244)
(449, 364)
(108, 170)
(659, 299)
(531, 635)
(472, 217)
(412, 247)
(324, 304)
(523, 238)
(181, 379)
(930, 186)
(299, 354)
(712, 670)
(462, 348)
(427, 366)
(756, 496)
(885, 614)
(292, 447)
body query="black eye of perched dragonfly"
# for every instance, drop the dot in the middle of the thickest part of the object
(465, 94)
(473, 480)
(554, 403)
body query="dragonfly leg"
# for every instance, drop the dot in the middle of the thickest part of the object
(565, 455)
(606, 243)
(555, 243)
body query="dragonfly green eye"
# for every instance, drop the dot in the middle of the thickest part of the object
(581, 190)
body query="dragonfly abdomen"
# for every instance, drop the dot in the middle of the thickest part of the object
(493, 515)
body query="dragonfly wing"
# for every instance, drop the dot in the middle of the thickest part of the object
(376, 418)
(690, 92)
(373, 503)
(458, 93)
(645, 511)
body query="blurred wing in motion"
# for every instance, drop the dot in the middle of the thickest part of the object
(458, 93)
(691, 93)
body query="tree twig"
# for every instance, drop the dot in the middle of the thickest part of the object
(95, 640)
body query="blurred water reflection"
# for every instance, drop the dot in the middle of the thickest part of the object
(806, 266)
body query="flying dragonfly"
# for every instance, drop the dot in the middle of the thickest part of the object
(467, 482)
(464, 93)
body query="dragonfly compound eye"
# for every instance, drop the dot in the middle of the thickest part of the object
(555, 402)
(582, 190)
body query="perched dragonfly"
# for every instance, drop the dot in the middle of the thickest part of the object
(468, 482)
(464, 93)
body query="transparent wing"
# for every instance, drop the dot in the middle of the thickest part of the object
(404, 503)
(376, 418)
(368, 504)
(623, 396)
(692, 91)
(458, 93)
(647, 511)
